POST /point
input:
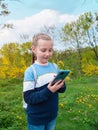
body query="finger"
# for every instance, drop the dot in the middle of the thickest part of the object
(58, 82)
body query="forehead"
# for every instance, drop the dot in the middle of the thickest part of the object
(45, 43)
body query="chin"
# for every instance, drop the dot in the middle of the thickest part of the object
(44, 62)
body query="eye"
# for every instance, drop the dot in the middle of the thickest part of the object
(43, 50)
(50, 50)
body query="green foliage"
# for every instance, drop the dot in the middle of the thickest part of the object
(16, 58)
(83, 31)
(89, 63)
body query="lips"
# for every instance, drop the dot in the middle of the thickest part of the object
(46, 58)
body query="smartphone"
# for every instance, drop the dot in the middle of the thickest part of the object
(60, 76)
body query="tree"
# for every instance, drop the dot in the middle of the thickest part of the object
(4, 11)
(73, 34)
(4, 8)
(89, 23)
(53, 31)
(13, 61)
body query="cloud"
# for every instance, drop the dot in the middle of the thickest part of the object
(30, 25)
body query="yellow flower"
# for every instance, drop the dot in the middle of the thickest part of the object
(61, 105)
(89, 105)
(79, 111)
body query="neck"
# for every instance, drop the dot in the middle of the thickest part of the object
(41, 63)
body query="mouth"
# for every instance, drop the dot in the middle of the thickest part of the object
(46, 58)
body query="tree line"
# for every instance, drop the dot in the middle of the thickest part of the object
(15, 58)
(81, 58)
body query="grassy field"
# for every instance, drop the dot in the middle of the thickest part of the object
(78, 106)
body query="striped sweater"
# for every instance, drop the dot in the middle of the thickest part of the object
(42, 104)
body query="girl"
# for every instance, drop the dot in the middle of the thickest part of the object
(41, 97)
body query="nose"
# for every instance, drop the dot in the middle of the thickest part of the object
(47, 53)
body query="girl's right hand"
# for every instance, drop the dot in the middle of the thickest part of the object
(53, 88)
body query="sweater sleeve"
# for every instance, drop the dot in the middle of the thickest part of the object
(63, 89)
(31, 94)
(35, 97)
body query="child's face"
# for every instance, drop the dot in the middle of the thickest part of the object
(43, 50)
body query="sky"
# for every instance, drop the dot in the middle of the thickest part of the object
(30, 17)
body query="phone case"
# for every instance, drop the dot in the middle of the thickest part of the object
(61, 76)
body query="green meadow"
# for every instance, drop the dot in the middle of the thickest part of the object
(78, 106)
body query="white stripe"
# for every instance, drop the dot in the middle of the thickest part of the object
(28, 85)
(44, 79)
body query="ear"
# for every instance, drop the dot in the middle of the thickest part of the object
(33, 49)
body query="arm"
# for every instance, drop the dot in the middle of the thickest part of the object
(32, 94)
(37, 96)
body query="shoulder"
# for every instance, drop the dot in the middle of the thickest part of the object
(54, 65)
(28, 74)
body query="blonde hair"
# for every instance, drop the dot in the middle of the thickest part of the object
(36, 37)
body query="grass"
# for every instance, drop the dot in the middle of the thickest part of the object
(78, 106)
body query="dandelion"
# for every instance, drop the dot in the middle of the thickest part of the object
(79, 111)
(61, 105)
(19, 117)
(60, 64)
(89, 105)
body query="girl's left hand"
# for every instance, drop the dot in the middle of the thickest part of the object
(53, 88)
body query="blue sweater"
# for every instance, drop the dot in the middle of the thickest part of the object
(42, 104)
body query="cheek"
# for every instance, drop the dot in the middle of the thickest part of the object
(40, 54)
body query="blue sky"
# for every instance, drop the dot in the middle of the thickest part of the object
(28, 16)
(25, 8)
